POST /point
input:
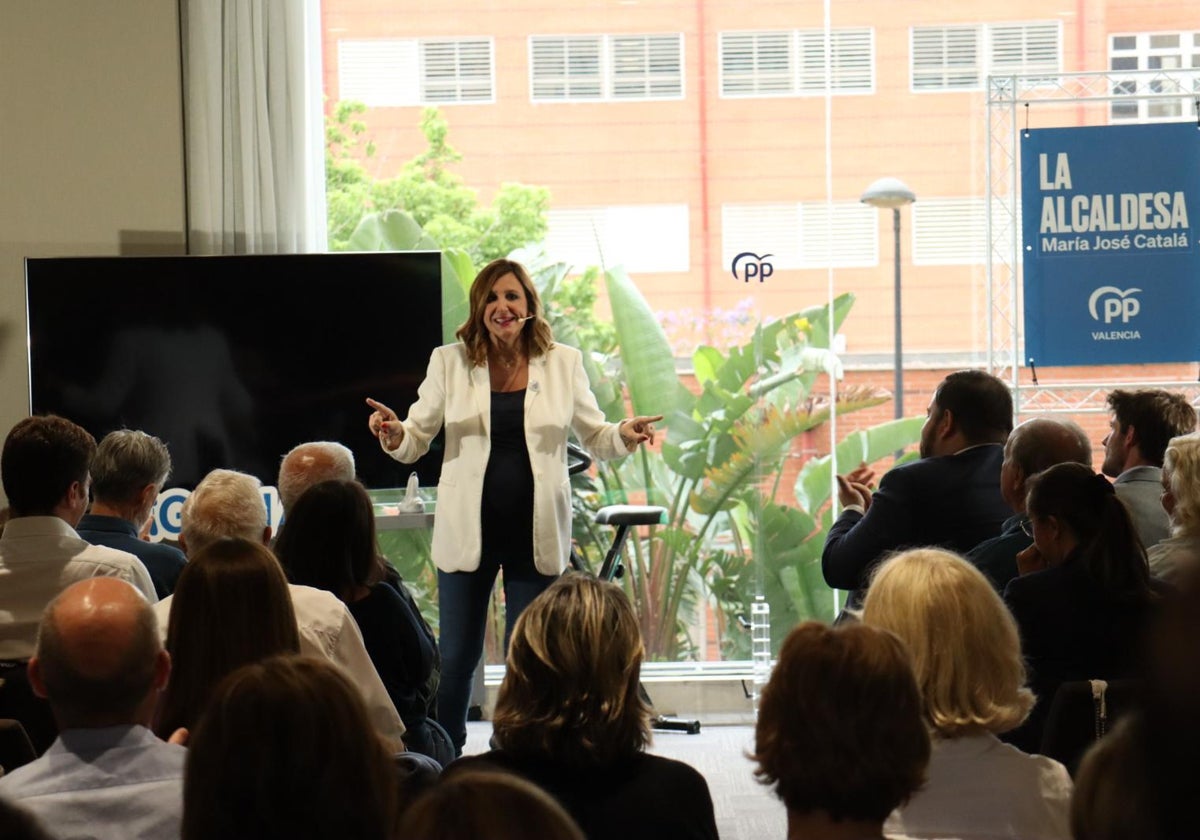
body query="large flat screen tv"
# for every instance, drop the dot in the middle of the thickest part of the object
(234, 360)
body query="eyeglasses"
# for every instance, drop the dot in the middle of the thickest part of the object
(1027, 527)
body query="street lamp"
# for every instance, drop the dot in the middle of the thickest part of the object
(892, 193)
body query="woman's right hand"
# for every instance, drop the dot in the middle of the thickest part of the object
(385, 425)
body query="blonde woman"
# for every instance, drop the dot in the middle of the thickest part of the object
(569, 717)
(1181, 500)
(967, 659)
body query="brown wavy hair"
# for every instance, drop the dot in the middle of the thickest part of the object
(536, 337)
(570, 692)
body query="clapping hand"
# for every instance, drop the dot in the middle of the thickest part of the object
(854, 488)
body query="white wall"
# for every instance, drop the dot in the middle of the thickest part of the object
(91, 147)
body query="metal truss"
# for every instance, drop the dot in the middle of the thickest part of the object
(1094, 97)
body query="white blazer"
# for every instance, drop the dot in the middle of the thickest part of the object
(457, 395)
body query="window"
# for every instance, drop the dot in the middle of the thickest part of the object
(605, 67)
(947, 58)
(648, 237)
(953, 231)
(1177, 54)
(456, 71)
(792, 62)
(390, 72)
(802, 235)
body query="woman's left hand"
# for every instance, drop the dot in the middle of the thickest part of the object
(638, 430)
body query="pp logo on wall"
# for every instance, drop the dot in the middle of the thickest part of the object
(1111, 265)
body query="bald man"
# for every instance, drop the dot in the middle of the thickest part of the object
(1035, 445)
(309, 464)
(101, 666)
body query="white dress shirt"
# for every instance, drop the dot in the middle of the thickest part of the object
(118, 782)
(40, 556)
(980, 788)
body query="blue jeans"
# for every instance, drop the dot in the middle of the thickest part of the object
(462, 605)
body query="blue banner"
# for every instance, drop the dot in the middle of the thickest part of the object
(1111, 270)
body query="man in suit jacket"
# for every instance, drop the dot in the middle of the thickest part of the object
(950, 498)
(1033, 446)
(1142, 424)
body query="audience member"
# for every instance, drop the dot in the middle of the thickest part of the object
(235, 589)
(285, 749)
(950, 498)
(1084, 594)
(569, 717)
(328, 542)
(1181, 502)
(101, 666)
(967, 659)
(487, 804)
(309, 464)
(1033, 446)
(230, 504)
(44, 467)
(839, 731)
(128, 473)
(1141, 425)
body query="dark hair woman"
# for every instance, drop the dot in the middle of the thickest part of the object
(231, 606)
(328, 542)
(286, 749)
(1084, 592)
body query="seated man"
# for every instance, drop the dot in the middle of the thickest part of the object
(950, 498)
(1142, 424)
(230, 504)
(128, 473)
(101, 665)
(311, 463)
(45, 470)
(1035, 445)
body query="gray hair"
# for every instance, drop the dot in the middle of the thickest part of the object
(312, 463)
(126, 461)
(226, 503)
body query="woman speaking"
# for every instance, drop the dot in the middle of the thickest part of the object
(506, 395)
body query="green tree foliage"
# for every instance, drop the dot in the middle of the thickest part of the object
(427, 188)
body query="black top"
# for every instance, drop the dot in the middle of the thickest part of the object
(163, 562)
(508, 483)
(399, 646)
(644, 797)
(1072, 629)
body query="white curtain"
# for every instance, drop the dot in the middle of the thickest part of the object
(254, 126)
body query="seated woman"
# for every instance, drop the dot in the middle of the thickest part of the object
(839, 730)
(569, 717)
(967, 659)
(328, 542)
(1084, 594)
(235, 591)
(1181, 499)
(286, 749)
(482, 803)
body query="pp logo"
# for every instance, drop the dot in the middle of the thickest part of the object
(1116, 304)
(750, 265)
